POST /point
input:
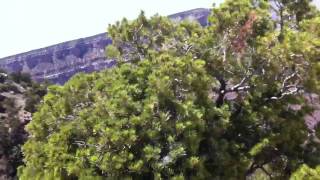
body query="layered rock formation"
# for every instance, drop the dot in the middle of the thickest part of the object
(59, 62)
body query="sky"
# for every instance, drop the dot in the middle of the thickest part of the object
(31, 24)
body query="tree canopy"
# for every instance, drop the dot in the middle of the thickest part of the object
(226, 101)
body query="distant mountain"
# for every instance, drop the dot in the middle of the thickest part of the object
(59, 62)
(200, 15)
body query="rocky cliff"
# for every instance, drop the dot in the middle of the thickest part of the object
(59, 62)
(19, 97)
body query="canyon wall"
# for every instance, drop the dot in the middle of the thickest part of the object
(59, 62)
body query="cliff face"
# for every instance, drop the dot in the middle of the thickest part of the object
(200, 15)
(59, 62)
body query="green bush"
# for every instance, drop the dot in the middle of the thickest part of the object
(184, 102)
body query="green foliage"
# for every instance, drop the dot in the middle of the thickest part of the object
(307, 173)
(34, 95)
(185, 102)
(21, 78)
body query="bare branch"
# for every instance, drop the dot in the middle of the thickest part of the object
(240, 86)
(266, 172)
(188, 49)
(223, 90)
(138, 30)
(84, 144)
(243, 88)
(291, 91)
(287, 79)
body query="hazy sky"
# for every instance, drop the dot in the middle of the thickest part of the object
(32, 24)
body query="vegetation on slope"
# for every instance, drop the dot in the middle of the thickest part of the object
(18, 99)
(187, 102)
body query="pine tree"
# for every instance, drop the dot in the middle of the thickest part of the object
(186, 102)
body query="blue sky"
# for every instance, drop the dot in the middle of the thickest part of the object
(32, 24)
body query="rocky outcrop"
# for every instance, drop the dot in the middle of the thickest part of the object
(12, 120)
(200, 15)
(59, 62)
(19, 97)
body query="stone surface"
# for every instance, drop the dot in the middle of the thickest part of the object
(60, 62)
